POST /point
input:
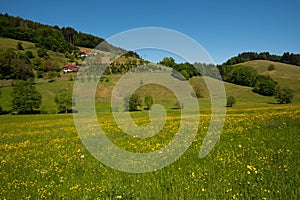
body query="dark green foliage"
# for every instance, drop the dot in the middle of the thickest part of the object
(131, 54)
(49, 37)
(24, 57)
(21, 70)
(20, 46)
(29, 54)
(25, 97)
(64, 101)
(288, 58)
(42, 53)
(271, 67)
(168, 61)
(230, 101)
(148, 101)
(133, 102)
(13, 66)
(182, 71)
(238, 74)
(87, 40)
(38, 64)
(265, 85)
(284, 96)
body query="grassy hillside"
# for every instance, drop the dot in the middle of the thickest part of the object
(286, 75)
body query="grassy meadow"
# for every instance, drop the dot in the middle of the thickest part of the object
(257, 157)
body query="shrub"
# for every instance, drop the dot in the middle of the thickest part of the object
(20, 46)
(284, 96)
(132, 103)
(148, 101)
(271, 67)
(29, 54)
(230, 101)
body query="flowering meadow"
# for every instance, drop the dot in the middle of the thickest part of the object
(257, 157)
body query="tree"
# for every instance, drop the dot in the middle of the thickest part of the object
(265, 85)
(21, 70)
(284, 96)
(29, 54)
(42, 53)
(271, 67)
(230, 101)
(168, 61)
(132, 102)
(64, 101)
(25, 97)
(148, 101)
(243, 75)
(20, 46)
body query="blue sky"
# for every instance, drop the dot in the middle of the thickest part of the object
(223, 28)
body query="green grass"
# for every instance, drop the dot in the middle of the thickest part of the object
(257, 157)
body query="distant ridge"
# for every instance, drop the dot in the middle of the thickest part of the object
(287, 58)
(65, 39)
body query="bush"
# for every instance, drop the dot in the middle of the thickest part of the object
(230, 101)
(29, 54)
(148, 101)
(284, 96)
(20, 46)
(271, 67)
(42, 53)
(133, 102)
(40, 74)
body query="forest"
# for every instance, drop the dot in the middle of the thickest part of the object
(54, 38)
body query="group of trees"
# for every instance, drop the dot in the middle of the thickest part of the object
(50, 37)
(21, 65)
(182, 71)
(15, 66)
(27, 99)
(293, 59)
(134, 102)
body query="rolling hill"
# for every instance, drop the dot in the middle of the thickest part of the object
(286, 75)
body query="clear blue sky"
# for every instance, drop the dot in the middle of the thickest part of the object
(224, 28)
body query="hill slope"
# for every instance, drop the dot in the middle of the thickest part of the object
(286, 75)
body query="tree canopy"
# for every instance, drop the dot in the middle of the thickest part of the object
(25, 97)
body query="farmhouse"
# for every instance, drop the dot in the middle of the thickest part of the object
(71, 68)
(85, 52)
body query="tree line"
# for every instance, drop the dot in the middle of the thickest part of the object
(50, 37)
(288, 58)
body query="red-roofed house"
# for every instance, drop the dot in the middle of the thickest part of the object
(70, 68)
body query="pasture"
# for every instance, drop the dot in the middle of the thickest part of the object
(257, 157)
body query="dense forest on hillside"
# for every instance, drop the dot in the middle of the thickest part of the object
(53, 38)
(288, 58)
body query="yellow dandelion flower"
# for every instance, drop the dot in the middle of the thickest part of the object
(119, 197)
